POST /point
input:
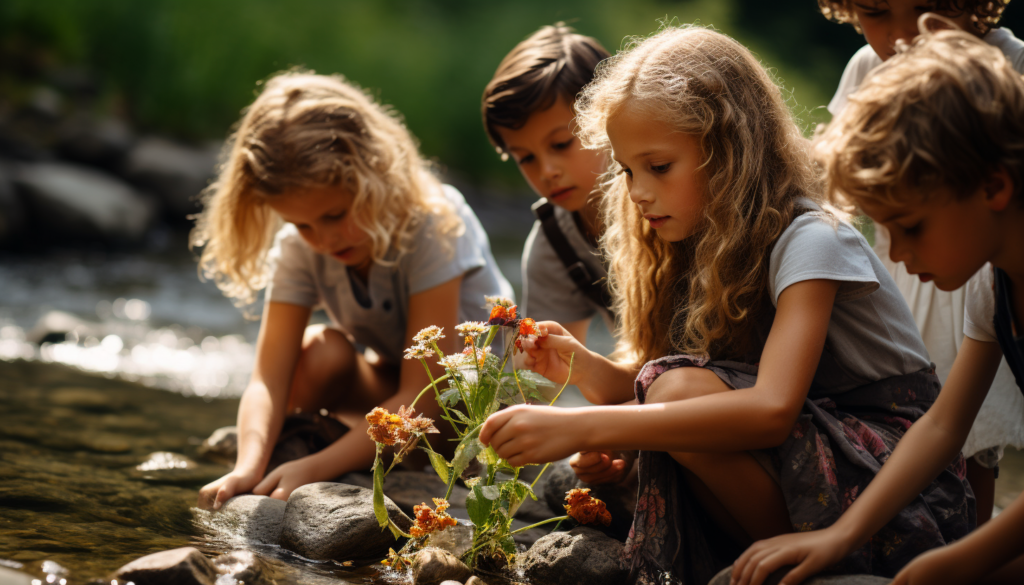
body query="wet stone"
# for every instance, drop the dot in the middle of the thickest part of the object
(180, 566)
(240, 566)
(221, 446)
(167, 467)
(334, 521)
(725, 575)
(12, 577)
(582, 556)
(456, 539)
(619, 498)
(252, 519)
(433, 566)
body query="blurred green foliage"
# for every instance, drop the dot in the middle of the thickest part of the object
(187, 67)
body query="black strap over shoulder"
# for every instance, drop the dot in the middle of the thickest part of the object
(598, 293)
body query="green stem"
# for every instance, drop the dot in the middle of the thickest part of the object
(541, 523)
(542, 470)
(458, 385)
(571, 358)
(432, 384)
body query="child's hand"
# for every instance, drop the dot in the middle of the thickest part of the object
(597, 467)
(811, 552)
(549, 353)
(213, 495)
(531, 434)
(940, 565)
(287, 477)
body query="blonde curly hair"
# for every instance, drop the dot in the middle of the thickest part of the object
(985, 14)
(946, 111)
(704, 295)
(307, 131)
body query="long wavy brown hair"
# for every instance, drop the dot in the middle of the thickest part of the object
(306, 131)
(704, 295)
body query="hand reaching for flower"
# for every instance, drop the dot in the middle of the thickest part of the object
(525, 434)
(550, 352)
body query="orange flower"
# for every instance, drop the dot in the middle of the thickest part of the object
(499, 314)
(389, 428)
(585, 509)
(395, 561)
(428, 521)
(481, 355)
(528, 327)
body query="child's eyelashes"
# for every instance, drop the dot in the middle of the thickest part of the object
(525, 160)
(335, 216)
(661, 169)
(563, 145)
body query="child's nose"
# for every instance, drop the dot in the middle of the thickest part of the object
(898, 250)
(552, 170)
(906, 31)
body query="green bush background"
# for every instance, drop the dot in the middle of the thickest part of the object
(187, 67)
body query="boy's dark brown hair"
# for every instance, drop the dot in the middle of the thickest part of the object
(551, 63)
(984, 13)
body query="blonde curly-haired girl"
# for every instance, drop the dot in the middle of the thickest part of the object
(782, 366)
(325, 201)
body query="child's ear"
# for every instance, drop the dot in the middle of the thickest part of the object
(999, 189)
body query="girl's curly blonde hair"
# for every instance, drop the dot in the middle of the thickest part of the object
(307, 131)
(985, 14)
(704, 295)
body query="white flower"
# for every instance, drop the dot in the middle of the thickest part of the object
(472, 328)
(418, 352)
(429, 335)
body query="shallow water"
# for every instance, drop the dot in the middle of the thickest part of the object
(154, 363)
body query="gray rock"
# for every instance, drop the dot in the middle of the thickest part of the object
(456, 539)
(411, 488)
(174, 468)
(180, 566)
(242, 566)
(76, 201)
(12, 213)
(12, 577)
(474, 580)
(96, 142)
(581, 556)
(433, 566)
(253, 519)
(620, 499)
(335, 521)
(723, 577)
(175, 172)
(221, 446)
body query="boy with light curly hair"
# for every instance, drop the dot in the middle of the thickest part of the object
(938, 313)
(932, 148)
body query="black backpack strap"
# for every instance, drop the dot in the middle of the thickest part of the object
(576, 268)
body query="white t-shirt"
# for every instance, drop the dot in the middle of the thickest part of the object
(871, 334)
(549, 293)
(1006, 416)
(939, 314)
(375, 313)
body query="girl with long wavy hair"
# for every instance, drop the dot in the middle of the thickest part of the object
(325, 201)
(781, 363)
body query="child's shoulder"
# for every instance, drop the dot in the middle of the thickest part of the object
(862, 62)
(980, 305)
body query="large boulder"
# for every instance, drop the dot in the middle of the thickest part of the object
(175, 172)
(12, 577)
(71, 201)
(725, 575)
(582, 556)
(180, 566)
(335, 521)
(252, 519)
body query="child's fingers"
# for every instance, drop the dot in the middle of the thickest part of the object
(586, 460)
(265, 487)
(494, 423)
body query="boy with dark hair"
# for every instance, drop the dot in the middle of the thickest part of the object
(528, 114)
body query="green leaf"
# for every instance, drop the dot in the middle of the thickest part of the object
(483, 397)
(480, 502)
(439, 463)
(508, 545)
(469, 447)
(379, 509)
(465, 419)
(450, 397)
(488, 457)
(533, 379)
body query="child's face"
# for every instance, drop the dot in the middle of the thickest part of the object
(661, 168)
(886, 21)
(322, 217)
(946, 240)
(552, 160)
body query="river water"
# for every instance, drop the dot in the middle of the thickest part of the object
(113, 368)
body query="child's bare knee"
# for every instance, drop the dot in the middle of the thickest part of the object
(684, 383)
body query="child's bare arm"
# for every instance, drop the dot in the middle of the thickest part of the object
(354, 450)
(739, 420)
(929, 446)
(261, 410)
(979, 554)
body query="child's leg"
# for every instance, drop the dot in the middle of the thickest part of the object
(1011, 573)
(983, 483)
(333, 375)
(733, 487)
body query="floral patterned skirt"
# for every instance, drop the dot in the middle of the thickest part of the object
(836, 447)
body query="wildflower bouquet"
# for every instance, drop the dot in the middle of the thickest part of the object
(476, 384)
